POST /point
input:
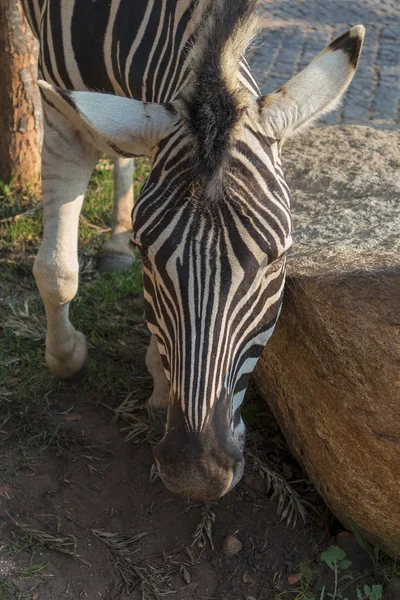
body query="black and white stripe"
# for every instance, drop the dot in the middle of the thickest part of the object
(134, 49)
(214, 263)
(213, 275)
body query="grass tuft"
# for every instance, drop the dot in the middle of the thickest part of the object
(9, 591)
(140, 427)
(154, 580)
(33, 570)
(117, 542)
(26, 324)
(64, 544)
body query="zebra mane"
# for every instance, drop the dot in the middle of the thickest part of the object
(215, 100)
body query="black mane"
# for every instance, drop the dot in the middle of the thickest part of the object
(214, 101)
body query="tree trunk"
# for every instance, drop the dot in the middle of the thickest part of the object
(20, 108)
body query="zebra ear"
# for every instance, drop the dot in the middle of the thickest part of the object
(116, 125)
(316, 90)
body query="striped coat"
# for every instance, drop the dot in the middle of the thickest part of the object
(167, 79)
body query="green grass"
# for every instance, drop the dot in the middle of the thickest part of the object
(343, 584)
(33, 570)
(23, 543)
(97, 208)
(10, 586)
(102, 310)
(23, 232)
(9, 591)
(106, 309)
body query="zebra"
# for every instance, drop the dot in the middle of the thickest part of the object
(167, 79)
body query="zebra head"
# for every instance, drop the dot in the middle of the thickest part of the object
(213, 226)
(213, 247)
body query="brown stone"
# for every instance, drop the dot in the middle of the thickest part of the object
(231, 546)
(331, 372)
(293, 579)
(248, 578)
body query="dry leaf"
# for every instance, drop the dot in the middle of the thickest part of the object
(186, 574)
(190, 553)
(73, 416)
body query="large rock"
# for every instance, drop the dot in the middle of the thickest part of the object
(331, 372)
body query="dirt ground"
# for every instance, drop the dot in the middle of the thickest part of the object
(82, 511)
(83, 515)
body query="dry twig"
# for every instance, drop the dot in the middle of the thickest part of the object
(64, 544)
(290, 506)
(154, 580)
(27, 213)
(140, 427)
(93, 226)
(26, 325)
(203, 531)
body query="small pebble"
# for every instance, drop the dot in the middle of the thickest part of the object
(293, 579)
(343, 534)
(231, 546)
(248, 578)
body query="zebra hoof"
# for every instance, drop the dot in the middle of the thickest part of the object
(69, 365)
(81, 374)
(113, 262)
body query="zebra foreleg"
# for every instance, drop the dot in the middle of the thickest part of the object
(158, 403)
(116, 255)
(67, 163)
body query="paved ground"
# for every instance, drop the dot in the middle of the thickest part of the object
(296, 30)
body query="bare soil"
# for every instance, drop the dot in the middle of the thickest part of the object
(83, 483)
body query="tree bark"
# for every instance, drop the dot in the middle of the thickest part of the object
(20, 107)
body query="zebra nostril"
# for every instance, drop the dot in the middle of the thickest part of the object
(237, 466)
(196, 480)
(237, 472)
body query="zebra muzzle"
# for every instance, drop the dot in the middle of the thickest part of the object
(197, 469)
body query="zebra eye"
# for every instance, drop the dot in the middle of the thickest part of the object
(144, 258)
(138, 249)
(276, 264)
(268, 266)
(133, 246)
